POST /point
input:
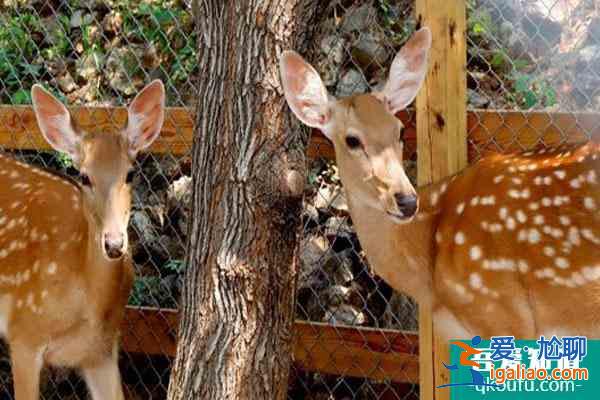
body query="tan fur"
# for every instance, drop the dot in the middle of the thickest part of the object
(505, 300)
(67, 299)
(65, 275)
(511, 245)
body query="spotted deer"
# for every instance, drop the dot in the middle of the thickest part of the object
(64, 271)
(510, 245)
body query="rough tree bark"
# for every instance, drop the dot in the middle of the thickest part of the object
(248, 175)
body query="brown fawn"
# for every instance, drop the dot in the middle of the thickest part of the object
(65, 275)
(509, 246)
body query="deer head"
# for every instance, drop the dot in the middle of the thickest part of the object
(104, 160)
(363, 128)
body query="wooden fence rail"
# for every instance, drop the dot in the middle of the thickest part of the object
(488, 131)
(378, 354)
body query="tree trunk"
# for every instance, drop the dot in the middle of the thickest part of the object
(248, 177)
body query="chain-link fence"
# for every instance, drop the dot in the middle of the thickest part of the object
(100, 54)
(538, 55)
(355, 45)
(539, 59)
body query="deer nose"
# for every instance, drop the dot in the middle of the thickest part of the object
(113, 244)
(407, 204)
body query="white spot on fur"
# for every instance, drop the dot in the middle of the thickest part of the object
(475, 280)
(475, 253)
(459, 238)
(560, 174)
(561, 262)
(52, 268)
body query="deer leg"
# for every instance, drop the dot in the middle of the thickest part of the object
(103, 378)
(26, 366)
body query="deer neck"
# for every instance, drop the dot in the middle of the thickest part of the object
(402, 254)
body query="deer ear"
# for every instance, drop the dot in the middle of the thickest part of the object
(145, 117)
(304, 91)
(407, 72)
(55, 123)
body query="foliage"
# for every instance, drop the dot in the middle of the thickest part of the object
(530, 91)
(151, 291)
(36, 47)
(397, 29)
(177, 266)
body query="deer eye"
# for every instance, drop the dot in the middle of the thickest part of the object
(130, 176)
(85, 180)
(353, 142)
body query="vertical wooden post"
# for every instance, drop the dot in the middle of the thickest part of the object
(441, 145)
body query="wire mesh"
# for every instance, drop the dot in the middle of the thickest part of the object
(534, 58)
(537, 59)
(353, 50)
(101, 54)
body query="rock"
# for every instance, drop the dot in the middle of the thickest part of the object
(143, 226)
(477, 100)
(122, 67)
(66, 82)
(310, 215)
(179, 193)
(79, 19)
(401, 313)
(359, 19)
(333, 46)
(345, 314)
(338, 227)
(89, 65)
(166, 248)
(593, 31)
(56, 66)
(588, 56)
(336, 295)
(351, 82)
(331, 197)
(330, 72)
(313, 251)
(339, 267)
(370, 51)
(113, 22)
(87, 93)
(542, 33)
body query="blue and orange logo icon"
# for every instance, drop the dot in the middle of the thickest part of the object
(467, 351)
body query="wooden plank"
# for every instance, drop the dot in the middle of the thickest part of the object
(513, 131)
(489, 131)
(359, 352)
(349, 351)
(441, 146)
(150, 331)
(19, 129)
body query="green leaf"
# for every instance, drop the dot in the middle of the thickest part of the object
(478, 28)
(520, 63)
(522, 84)
(163, 16)
(530, 99)
(498, 59)
(21, 96)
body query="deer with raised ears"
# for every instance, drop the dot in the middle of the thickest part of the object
(509, 246)
(65, 275)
